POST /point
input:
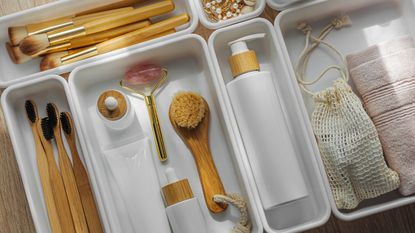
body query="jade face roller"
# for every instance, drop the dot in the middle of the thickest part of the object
(145, 79)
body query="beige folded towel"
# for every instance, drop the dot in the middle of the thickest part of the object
(384, 75)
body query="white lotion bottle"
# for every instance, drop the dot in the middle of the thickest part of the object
(264, 131)
(183, 209)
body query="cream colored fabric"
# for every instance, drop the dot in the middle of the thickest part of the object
(346, 137)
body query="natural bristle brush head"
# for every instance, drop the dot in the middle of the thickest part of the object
(53, 113)
(187, 109)
(52, 60)
(16, 55)
(66, 122)
(17, 34)
(47, 129)
(34, 44)
(31, 111)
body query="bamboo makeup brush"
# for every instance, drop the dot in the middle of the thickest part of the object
(18, 57)
(58, 188)
(153, 31)
(42, 164)
(35, 43)
(81, 176)
(17, 34)
(75, 203)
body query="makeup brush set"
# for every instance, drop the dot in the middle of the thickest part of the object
(263, 127)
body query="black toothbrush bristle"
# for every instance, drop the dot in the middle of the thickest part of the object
(31, 111)
(47, 129)
(52, 115)
(66, 123)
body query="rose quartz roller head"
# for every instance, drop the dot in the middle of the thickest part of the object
(145, 79)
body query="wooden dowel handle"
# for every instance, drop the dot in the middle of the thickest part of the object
(78, 21)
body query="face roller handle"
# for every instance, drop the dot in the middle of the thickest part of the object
(155, 125)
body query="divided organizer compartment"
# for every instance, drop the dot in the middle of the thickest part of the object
(42, 90)
(189, 69)
(259, 8)
(373, 21)
(12, 73)
(281, 5)
(299, 215)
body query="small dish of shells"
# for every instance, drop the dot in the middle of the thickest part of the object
(218, 10)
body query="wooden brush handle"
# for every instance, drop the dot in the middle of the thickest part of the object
(129, 17)
(118, 4)
(71, 188)
(78, 21)
(84, 187)
(106, 35)
(42, 164)
(208, 174)
(58, 188)
(141, 34)
(103, 13)
(48, 25)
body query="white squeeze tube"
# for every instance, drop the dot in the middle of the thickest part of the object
(264, 130)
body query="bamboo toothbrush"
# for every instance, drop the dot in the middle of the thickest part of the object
(189, 115)
(17, 34)
(58, 188)
(68, 176)
(42, 164)
(81, 176)
(134, 37)
(18, 57)
(35, 43)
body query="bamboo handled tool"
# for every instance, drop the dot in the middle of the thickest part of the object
(17, 34)
(81, 176)
(42, 164)
(58, 188)
(114, 5)
(18, 57)
(128, 39)
(67, 172)
(35, 43)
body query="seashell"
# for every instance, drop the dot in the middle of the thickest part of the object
(247, 9)
(250, 2)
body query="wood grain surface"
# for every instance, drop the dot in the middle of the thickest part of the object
(15, 214)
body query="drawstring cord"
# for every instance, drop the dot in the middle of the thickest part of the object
(244, 224)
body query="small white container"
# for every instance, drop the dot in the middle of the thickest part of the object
(296, 216)
(373, 21)
(12, 73)
(280, 5)
(259, 8)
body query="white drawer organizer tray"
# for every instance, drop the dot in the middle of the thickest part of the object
(373, 21)
(189, 68)
(12, 73)
(302, 214)
(259, 8)
(280, 5)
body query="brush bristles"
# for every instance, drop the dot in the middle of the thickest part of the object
(52, 60)
(187, 109)
(16, 55)
(17, 34)
(47, 130)
(66, 122)
(52, 113)
(31, 111)
(34, 44)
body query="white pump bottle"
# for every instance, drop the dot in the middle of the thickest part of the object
(263, 128)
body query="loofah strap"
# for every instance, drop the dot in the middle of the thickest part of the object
(244, 224)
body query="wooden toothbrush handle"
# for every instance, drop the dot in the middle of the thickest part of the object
(140, 35)
(42, 164)
(129, 17)
(85, 191)
(75, 203)
(208, 174)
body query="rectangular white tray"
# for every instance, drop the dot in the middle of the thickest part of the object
(299, 215)
(373, 21)
(11, 73)
(189, 69)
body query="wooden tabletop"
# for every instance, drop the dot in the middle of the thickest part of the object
(15, 214)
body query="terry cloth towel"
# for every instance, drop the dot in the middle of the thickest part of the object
(384, 76)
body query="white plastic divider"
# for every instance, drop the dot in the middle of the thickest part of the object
(42, 90)
(11, 73)
(281, 5)
(373, 21)
(300, 215)
(190, 69)
(259, 8)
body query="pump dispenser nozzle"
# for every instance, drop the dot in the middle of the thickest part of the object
(243, 60)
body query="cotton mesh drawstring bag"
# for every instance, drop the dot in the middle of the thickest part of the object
(347, 139)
